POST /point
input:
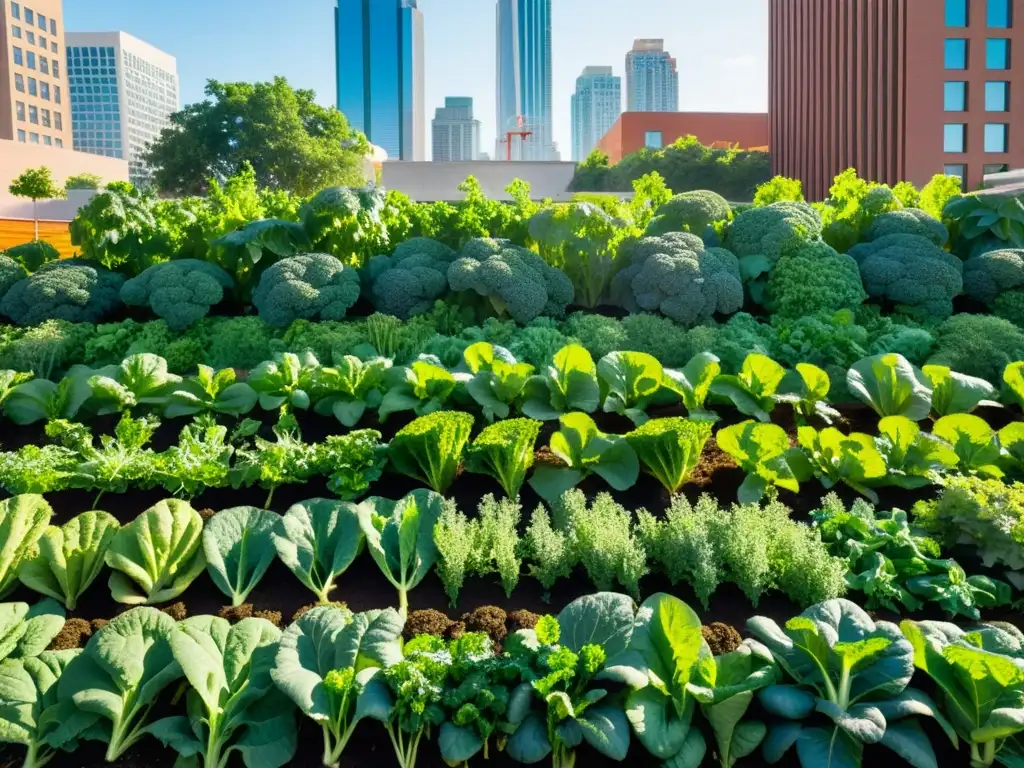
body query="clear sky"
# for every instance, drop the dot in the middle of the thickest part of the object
(721, 46)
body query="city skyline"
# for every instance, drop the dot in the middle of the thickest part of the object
(523, 80)
(729, 41)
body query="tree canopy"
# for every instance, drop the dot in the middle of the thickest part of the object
(290, 141)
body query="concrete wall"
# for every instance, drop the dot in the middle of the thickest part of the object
(15, 158)
(429, 182)
(747, 129)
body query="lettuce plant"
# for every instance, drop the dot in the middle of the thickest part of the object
(430, 448)
(286, 381)
(347, 389)
(23, 519)
(1013, 383)
(568, 384)
(753, 390)
(9, 380)
(38, 469)
(157, 555)
(834, 458)
(982, 687)
(496, 379)
(914, 458)
(26, 631)
(974, 442)
(628, 381)
(317, 540)
(669, 449)
(760, 450)
(328, 663)
(854, 671)
(141, 379)
(806, 388)
(1011, 449)
(891, 386)
(421, 387)
(693, 384)
(583, 450)
(954, 392)
(67, 559)
(210, 391)
(505, 452)
(233, 705)
(567, 661)
(117, 679)
(400, 537)
(352, 462)
(44, 400)
(238, 549)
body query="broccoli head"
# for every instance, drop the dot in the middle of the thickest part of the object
(33, 255)
(769, 231)
(409, 281)
(10, 273)
(676, 275)
(908, 221)
(993, 273)
(309, 286)
(63, 290)
(517, 281)
(689, 212)
(180, 292)
(811, 278)
(910, 270)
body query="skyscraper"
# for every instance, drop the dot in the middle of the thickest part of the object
(379, 53)
(596, 106)
(32, 110)
(652, 80)
(123, 92)
(524, 79)
(455, 134)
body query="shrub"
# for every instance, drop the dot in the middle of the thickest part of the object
(63, 290)
(312, 286)
(180, 292)
(32, 255)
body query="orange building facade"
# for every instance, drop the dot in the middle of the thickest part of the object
(898, 89)
(635, 130)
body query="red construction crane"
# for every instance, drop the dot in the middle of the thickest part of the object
(522, 134)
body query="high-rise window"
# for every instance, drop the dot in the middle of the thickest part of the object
(997, 53)
(652, 139)
(19, 82)
(44, 65)
(16, 13)
(47, 141)
(955, 169)
(15, 31)
(56, 68)
(30, 37)
(46, 118)
(42, 42)
(41, 21)
(995, 168)
(954, 138)
(997, 96)
(33, 115)
(19, 108)
(59, 143)
(19, 56)
(995, 137)
(21, 135)
(33, 138)
(53, 27)
(955, 96)
(58, 121)
(33, 89)
(44, 90)
(956, 13)
(31, 60)
(56, 94)
(30, 17)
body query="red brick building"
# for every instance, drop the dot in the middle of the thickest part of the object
(635, 130)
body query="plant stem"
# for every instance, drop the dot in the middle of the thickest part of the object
(270, 496)
(403, 602)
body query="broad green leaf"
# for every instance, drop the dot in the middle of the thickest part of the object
(954, 392)
(238, 548)
(974, 442)
(603, 618)
(630, 378)
(26, 631)
(23, 520)
(891, 386)
(693, 383)
(760, 450)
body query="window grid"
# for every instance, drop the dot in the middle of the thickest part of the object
(957, 13)
(15, 11)
(955, 96)
(997, 53)
(954, 140)
(21, 135)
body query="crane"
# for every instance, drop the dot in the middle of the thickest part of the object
(520, 132)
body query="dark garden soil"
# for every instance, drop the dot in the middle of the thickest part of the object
(363, 587)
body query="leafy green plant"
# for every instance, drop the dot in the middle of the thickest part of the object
(67, 559)
(117, 679)
(1013, 382)
(980, 220)
(328, 663)
(211, 392)
(913, 458)
(891, 386)
(201, 459)
(400, 537)
(582, 450)
(693, 384)
(347, 222)
(156, 556)
(806, 388)
(504, 451)
(422, 387)
(317, 540)
(496, 380)
(954, 392)
(9, 380)
(120, 460)
(37, 469)
(854, 671)
(669, 449)
(430, 448)
(568, 384)
(238, 549)
(352, 462)
(629, 380)
(141, 379)
(233, 705)
(347, 389)
(23, 520)
(974, 442)
(26, 631)
(44, 400)
(249, 251)
(283, 461)
(760, 450)
(754, 388)
(833, 458)
(286, 381)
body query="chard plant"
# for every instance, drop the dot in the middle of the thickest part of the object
(26, 631)
(891, 386)
(954, 392)
(44, 400)
(285, 383)
(914, 458)
(760, 450)
(422, 387)
(210, 391)
(568, 384)
(973, 441)
(753, 390)
(693, 384)
(833, 458)
(9, 380)
(806, 388)
(141, 379)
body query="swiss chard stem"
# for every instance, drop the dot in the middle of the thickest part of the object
(403, 602)
(270, 496)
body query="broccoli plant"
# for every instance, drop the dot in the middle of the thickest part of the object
(516, 282)
(247, 252)
(63, 290)
(309, 286)
(995, 275)
(347, 223)
(180, 292)
(410, 280)
(676, 275)
(908, 221)
(692, 212)
(10, 273)
(813, 277)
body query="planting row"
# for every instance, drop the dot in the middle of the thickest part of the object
(829, 683)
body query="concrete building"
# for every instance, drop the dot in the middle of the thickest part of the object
(634, 131)
(652, 78)
(455, 135)
(33, 82)
(524, 100)
(596, 106)
(428, 182)
(380, 71)
(123, 92)
(898, 89)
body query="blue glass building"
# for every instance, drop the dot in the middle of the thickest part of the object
(524, 78)
(595, 106)
(379, 52)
